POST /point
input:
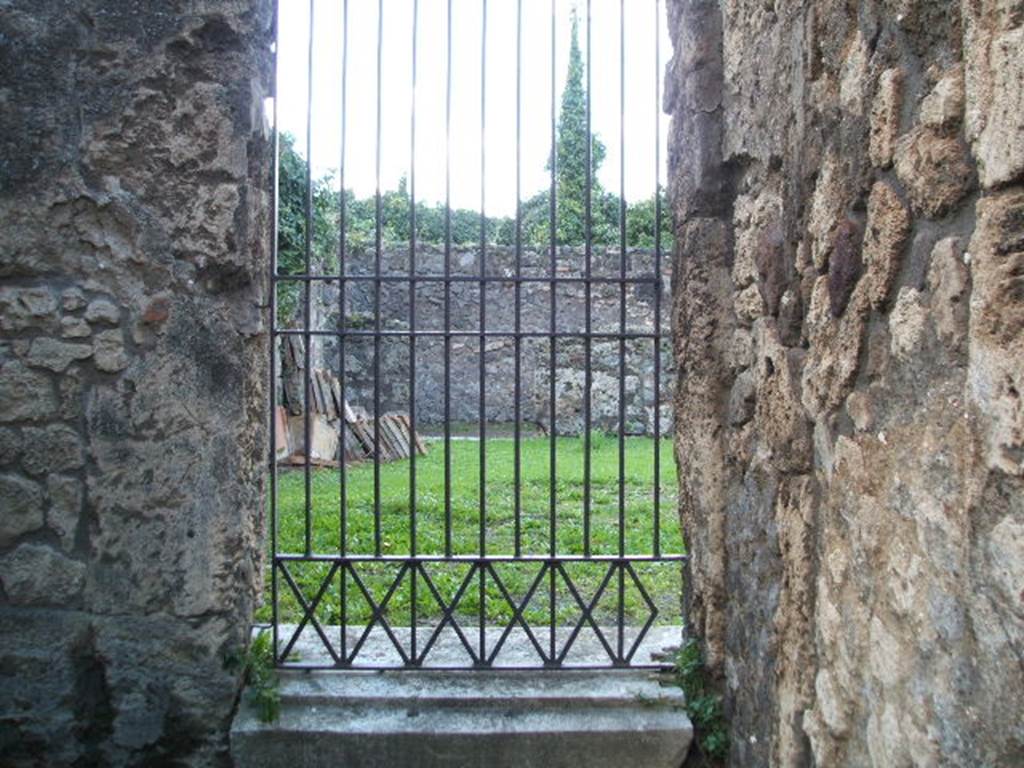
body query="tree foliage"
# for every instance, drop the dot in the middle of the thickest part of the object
(570, 155)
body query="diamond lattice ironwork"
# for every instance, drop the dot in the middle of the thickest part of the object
(573, 560)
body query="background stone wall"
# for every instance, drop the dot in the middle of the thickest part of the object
(500, 352)
(134, 167)
(848, 179)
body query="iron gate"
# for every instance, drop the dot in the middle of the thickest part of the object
(441, 600)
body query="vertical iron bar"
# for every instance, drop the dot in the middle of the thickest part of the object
(517, 448)
(342, 475)
(588, 328)
(448, 292)
(412, 339)
(552, 461)
(273, 345)
(622, 323)
(658, 278)
(483, 325)
(376, 299)
(306, 316)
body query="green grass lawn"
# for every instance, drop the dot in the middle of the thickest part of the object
(662, 580)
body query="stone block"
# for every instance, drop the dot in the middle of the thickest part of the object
(34, 574)
(948, 283)
(943, 107)
(995, 98)
(935, 170)
(56, 355)
(108, 349)
(885, 117)
(102, 311)
(24, 394)
(907, 324)
(27, 308)
(10, 445)
(55, 448)
(886, 234)
(472, 719)
(21, 502)
(74, 328)
(65, 510)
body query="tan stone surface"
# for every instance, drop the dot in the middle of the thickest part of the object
(935, 170)
(885, 117)
(994, 85)
(854, 492)
(887, 232)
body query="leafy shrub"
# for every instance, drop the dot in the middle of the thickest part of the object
(703, 705)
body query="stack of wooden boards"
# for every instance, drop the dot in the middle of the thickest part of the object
(328, 412)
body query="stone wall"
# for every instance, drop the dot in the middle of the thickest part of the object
(500, 351)
(848, 180)
(133, 174)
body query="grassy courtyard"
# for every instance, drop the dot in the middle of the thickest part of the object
(662, 580)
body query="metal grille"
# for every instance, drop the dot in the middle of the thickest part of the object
(460, 599)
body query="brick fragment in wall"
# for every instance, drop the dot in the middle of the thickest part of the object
(845, 265)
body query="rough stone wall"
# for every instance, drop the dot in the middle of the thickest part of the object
(848, 181)
(500, 351)
(134, 170)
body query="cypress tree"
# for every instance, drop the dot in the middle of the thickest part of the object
(571, 149)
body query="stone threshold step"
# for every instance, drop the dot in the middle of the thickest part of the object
(478, 718)
(486, 687)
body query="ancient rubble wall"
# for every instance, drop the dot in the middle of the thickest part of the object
(848, 182)
(535, 320)
(134, 171)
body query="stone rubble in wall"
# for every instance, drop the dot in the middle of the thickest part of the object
(132, 349)
(641, 409)
(865, 472)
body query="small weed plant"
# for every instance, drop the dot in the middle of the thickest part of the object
(702, 704)
(262, 684)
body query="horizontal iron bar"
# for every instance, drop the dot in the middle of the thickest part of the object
(485, 334)
(464, 279)
(480, 559)
(610, 667)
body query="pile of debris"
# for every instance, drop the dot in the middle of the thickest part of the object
(330, 416)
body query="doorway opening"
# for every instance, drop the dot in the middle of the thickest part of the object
(471, 432)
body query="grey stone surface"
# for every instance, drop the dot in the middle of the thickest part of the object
(34, 574)
(854, 535)
(22, 503)
(468, 719)
(130, 510)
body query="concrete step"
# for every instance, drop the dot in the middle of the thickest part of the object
(547, 719)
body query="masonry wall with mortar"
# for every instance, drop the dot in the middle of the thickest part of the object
(848, 182)
(134, 170)
(463, 304)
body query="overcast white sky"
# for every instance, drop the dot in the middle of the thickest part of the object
(640, 100)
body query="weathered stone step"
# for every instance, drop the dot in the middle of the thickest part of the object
(493, 719)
